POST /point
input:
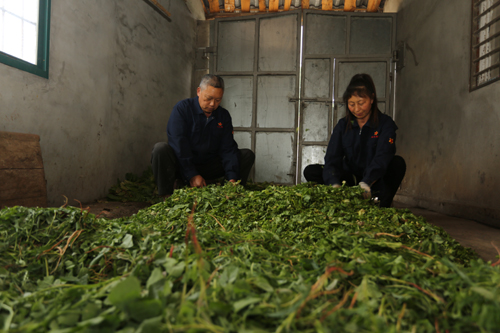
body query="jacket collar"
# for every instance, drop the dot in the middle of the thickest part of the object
(369, 123)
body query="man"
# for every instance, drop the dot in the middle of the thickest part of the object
(200, 145)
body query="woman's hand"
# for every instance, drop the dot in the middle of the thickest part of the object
(367, 194)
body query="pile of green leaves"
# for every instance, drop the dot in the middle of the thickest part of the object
(225, 259)
(135, 188)
(143, 188)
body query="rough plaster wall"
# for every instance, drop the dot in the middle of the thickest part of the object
(196, 8)
(393, 6)
(116, 70)
(448, 135)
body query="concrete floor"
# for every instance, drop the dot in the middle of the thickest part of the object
(468, 233)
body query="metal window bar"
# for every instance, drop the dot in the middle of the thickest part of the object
(486, 55)
(496, 4)
(487, 69)
(477, 3)
(487, 25)
(486, 40)
(482, 70)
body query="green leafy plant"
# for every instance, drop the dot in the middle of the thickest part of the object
(306, 258)
(135, 188)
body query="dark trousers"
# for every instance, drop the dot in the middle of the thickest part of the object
(167, 169)
(385, 188)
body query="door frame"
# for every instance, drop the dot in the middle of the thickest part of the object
(334, 72)
(255, 73)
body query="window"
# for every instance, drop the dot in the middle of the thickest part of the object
(485, 56)
(24, 35)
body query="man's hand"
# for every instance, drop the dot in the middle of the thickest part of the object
(336, 185)
(232, 181)
(367, 194)
(197, 181)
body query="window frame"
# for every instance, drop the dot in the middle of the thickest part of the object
(42, 66)
(474, 49)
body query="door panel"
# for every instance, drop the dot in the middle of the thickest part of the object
(273, 106)
(371, 35)
(262, 97)
(381, 106)
(315, 123)
(312, 155)
(236, 42)
(326, 34)
(274, 157)
(244, 139)
(340, 112)
(317, 75)
(377, 70)
(328, 68)
(259, 58)
(238, 97)
(278, 43)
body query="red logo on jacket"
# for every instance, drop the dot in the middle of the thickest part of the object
(375, 135)
(219, 125)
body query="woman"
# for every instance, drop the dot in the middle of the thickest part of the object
(362, 147)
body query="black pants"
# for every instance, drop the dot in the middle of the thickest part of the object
(385, 188)
(166, 167)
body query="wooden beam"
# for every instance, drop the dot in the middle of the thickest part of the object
(287, 4)
(229, 6)
(245, 6)
(326, 4)
(214, 6)
(373, 5)
(262, 6)
(349, 5)
(204, 8)
(159, 8)
(253, 12)
(305, 4)
(274, 5)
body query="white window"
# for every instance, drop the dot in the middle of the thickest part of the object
(24, 34)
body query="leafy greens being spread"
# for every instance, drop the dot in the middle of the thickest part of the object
(307, 258)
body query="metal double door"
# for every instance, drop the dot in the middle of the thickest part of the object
(285, 75)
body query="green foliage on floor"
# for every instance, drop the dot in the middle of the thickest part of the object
(142, 188)
(305, 258)
(135, 188)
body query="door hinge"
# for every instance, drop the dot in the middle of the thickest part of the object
(207, 51)
(398, 55)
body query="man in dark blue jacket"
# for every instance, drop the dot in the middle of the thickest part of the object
(200, 145)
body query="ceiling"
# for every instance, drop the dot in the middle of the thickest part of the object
(210, 9)
(224, 8)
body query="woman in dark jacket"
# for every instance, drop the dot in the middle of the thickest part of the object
(362, 147)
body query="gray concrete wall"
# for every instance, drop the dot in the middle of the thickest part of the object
(116, 70)
(393, 6)
(448, 135)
